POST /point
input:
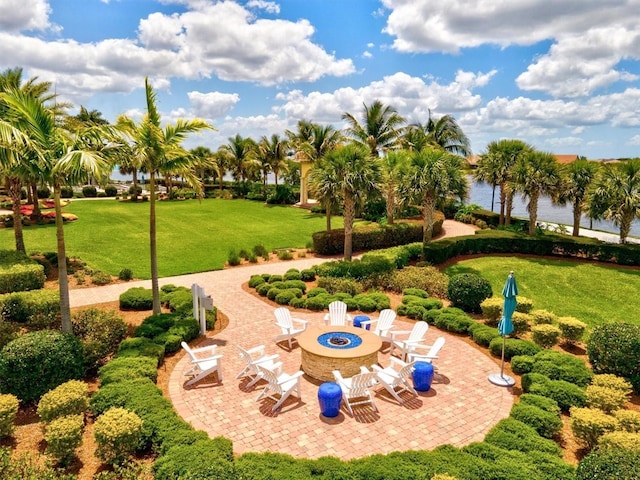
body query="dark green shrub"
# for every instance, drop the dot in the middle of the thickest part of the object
(454, 322)
(110, 190)
(610, 464)
(366, 304)
(512, 434)
(203, 459)
(140, 347)
(147, 330)
(415, 292)
(89, 191)
(171, 342)
(293, 275)
(273, 293)
(36, 362)
(180, 301)
(467, 291)
(168, 288)
(185, 328)
(255, 281)
(261, 251)
(547, 424)
(284, 297)
(615, 348)
(233, 258)
(316, 291)
(125, 274)
(521, 364)
(562, 366)
(564, 393)
(285, 255)
(483, 335)
(100, 332)
(275, 278)
(137, 298)
(512, 347)
(382, 300)
(298, 302)
(308, 275)
(296, 284)
(545, 403)
(128, 368)
(317, 303)
(66, 192)
(38, 308)
(163, 321)
(263, 289)
(283, 195)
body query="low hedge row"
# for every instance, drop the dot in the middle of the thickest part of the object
(18, 272)
(38, 308)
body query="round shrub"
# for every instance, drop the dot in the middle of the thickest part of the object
(299, 284)
(547, 424)
(512, 347)
(611, 381)
(233, 258)
(545, 335)
(292, 274)
(117, 433)
(543, 317)
(263, 289)
(562, 366)
(572, 330)
(382, 300)
(100, 332)
(623, 440)
(89, 191)
(317, 303)
(521, 323)
(525, 305)
(125, 274)
(628, 420)
(296, 302)
(314, 292)
(521, 364)
(70, 398)
(566, 394)
(255, 281)
(366, 304)
(308, 275)
(415, 312)
(483, 335)
(9, 405)
(429, 279)
(275, 278)
(171, 342)
(128, 368)
(453, 322)
(605, 398)
(273, 293)
(615, 348)
(137, 298)
(63, 435)
(609, 464)
(415, 292)
(511, 434)
(492, 310)
(38, 361)
(111, 190)
(467, 291)
(589, 424)
(539, 401)
(284, 297)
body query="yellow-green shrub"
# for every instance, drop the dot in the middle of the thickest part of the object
(623, 440)
(8, 410)
(63, 435)
(442, 476)
(543, 317)
(524, 305)
(117, 432)
(521, 322)
(589, 424)
(545, 335)
(605, 398)
(628, 420)
(572, 329)
(70, 398)
(492, 310)
(612, 381)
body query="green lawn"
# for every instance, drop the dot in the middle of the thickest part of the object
(192, 236)
(593, 293)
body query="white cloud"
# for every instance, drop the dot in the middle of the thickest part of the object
(212, 104)
(270, 7)
(367, 54)
(635, 140)
(21, 15)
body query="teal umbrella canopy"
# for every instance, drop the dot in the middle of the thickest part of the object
(510, 290)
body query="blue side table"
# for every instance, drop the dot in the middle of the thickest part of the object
(330, 397)
(422, 376)
(357, 321)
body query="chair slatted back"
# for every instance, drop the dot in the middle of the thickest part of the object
(360, 383)
(283, 316)
(337, 313)
(418, 332)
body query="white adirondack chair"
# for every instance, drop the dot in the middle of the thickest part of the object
(396, 378)
(287, 325)
(432, 353)
(204, 362)
(355, 390)
(414, 337)
(337, 315)
(253, 357)
(383, 324)
(279, 385)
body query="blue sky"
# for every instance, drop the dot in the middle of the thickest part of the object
(562, 75)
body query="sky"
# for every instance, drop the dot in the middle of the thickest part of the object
(562, 75)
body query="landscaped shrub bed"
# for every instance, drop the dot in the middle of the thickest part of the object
(18, 272)
(37, 308)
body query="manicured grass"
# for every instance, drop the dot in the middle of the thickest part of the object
(192, 236)
(593, 293)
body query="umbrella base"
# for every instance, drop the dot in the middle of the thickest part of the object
(502, 380)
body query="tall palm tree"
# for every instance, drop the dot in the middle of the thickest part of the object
(534, 175)
(241, 154)
(160, 150)
(443, 132)
(274, 150)
(434, 175)
(357, 177)
(220, 164)
(616, 195)
(394, 168)
(324, 184)
(578, 178)
(379, 130)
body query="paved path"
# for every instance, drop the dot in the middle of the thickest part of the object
(460, 408)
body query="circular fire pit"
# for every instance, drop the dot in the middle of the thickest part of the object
(325, 349)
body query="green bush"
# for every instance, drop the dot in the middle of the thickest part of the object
(612, 381)
(8, 332)
(547, 424)
(100, 278)
(562, 366)
(415, 292)
(622, 440)
(609, 464)
(628, 420)
(512, 347)
(525, 305)
(615, 348)
(9, 405)
(512, 434)
(589, 424)
(545, 335)
(572, 330)
(63, 435)
(18, 272)
(452, 322)
(89, 191)
(317, 303)
(128, 368)
(261, 251)
(275, 278)
(564, 393)
(100, 332)
(204, 459)
(179, 300)
(38, 308)
(284, 297)
(344, 285)
(308, 275)
(467, 291)
(539, 401)
(492, 309)
(36, 362)
(233, 258)
(137, 298)
(125, 274)
(285, 255)
(314, 292)
(273, 293)
(255, 281)
(117, 433)
(70, 398)
(187, 328)
(521, 323)
(543, 317)
(521, 364)
(605, 398)
(483, 335)
(298, 302)
(299, 284)
(111, 190)
(292, 274)
(141, 347)
(429, 279)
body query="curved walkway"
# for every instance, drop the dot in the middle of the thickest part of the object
(460, 408)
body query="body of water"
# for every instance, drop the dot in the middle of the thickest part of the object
(480, 194)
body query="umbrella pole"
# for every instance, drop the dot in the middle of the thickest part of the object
(502, 360)
(501, 379)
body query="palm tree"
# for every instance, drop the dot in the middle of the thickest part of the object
(536, 174)
(220, 165)
(324, 184)
(380, 129)
(488, 171)
(240, 153)
(578, 177)
(274, 151)
(616, 195)
(160, 150)
(443, 132)
(356, 176)
(434, 175)
(394, 165)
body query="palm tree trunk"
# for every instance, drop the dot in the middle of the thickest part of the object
(493, 195)
(428, 214)
(155, 289)
(63, 280)
(391, 200)
(36, 203)
(625, 226)
(533, 212)
(221, 174)
(577, 215)
(508, 207)
(328, 208)
(349, 215)
(15, 187)
(503, 200)
(134, 198)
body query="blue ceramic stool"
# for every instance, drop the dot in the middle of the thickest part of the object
(330, 397)
(357, 321)
(422, 376)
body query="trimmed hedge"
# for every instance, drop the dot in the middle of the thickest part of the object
(128, 368)
(615, 348)
(39, 308)
(609, 464)
(137, 298)
(512, 434)
(547, 424)
(70, 398)
(18, 272)
(512, 347)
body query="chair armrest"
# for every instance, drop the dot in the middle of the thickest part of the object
(267, 359)
(208, 359)
(258, 349)
(397, 361)
(369, 322)
(298, 320)
(338, 376)
(364, 369)
(393, 333)
(298, 374)
(377, 368)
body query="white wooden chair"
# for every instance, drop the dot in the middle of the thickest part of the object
(337, 315)
(383, 324)
(355, 390)
(432, 353)
(414, 337)
(253, 357)
(396, 378)
(287, 325)
(204, 362)
(279, 385)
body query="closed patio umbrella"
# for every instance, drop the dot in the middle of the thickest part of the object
(505, 327)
